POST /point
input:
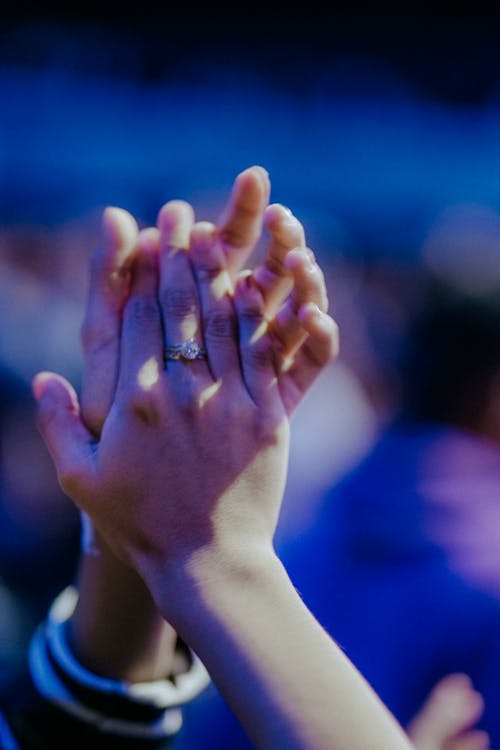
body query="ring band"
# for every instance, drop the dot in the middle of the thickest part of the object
(188, 350)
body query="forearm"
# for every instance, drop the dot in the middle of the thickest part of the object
(117, 630)
(282, 675)
(101, 672)
(61, 700)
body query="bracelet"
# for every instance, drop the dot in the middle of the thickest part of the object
(144, 709)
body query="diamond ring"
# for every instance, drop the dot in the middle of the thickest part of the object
(188, 350)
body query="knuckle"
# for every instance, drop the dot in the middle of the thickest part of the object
(97, 334)
(188, 402)
(275, 265)
(219, 325)
(142, 309)
(283, 336)
(242, 234)
(146, 406)
(187, 398)
(234, 238)
(179, 303)
(208, 272)
(260, 354)
(251, 315)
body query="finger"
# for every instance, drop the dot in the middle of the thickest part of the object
(179, 300)
(175, 220)
(66, 437)
(454, 704)
(318, 349)
(240, 226)
(476, 739)
(108, 291)
(308, 287)
(256, 351)
(451, 708)
(217, 311)
(273, 277)
(308, 278)
(142, 338)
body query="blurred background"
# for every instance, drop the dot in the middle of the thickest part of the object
(379, 127)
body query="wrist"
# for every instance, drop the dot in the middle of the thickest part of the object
(148, 710)
(116, 628)
(211, 580)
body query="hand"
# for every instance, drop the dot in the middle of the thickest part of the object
(185, 477)
(448, 717)
(132, 641)
(238, 231)
(97, 475)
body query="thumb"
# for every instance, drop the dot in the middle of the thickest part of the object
(66, 437)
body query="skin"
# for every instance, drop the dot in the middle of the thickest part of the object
(186, 477)
(287, 290)
(133, 641)
(447, 719)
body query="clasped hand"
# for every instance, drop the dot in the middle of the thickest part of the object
(187, 460)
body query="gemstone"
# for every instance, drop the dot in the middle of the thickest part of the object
(190, 350)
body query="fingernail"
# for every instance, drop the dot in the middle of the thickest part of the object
(107, 224)
(298, 255)
(264, 174)
(38, 384)
(313, 309)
